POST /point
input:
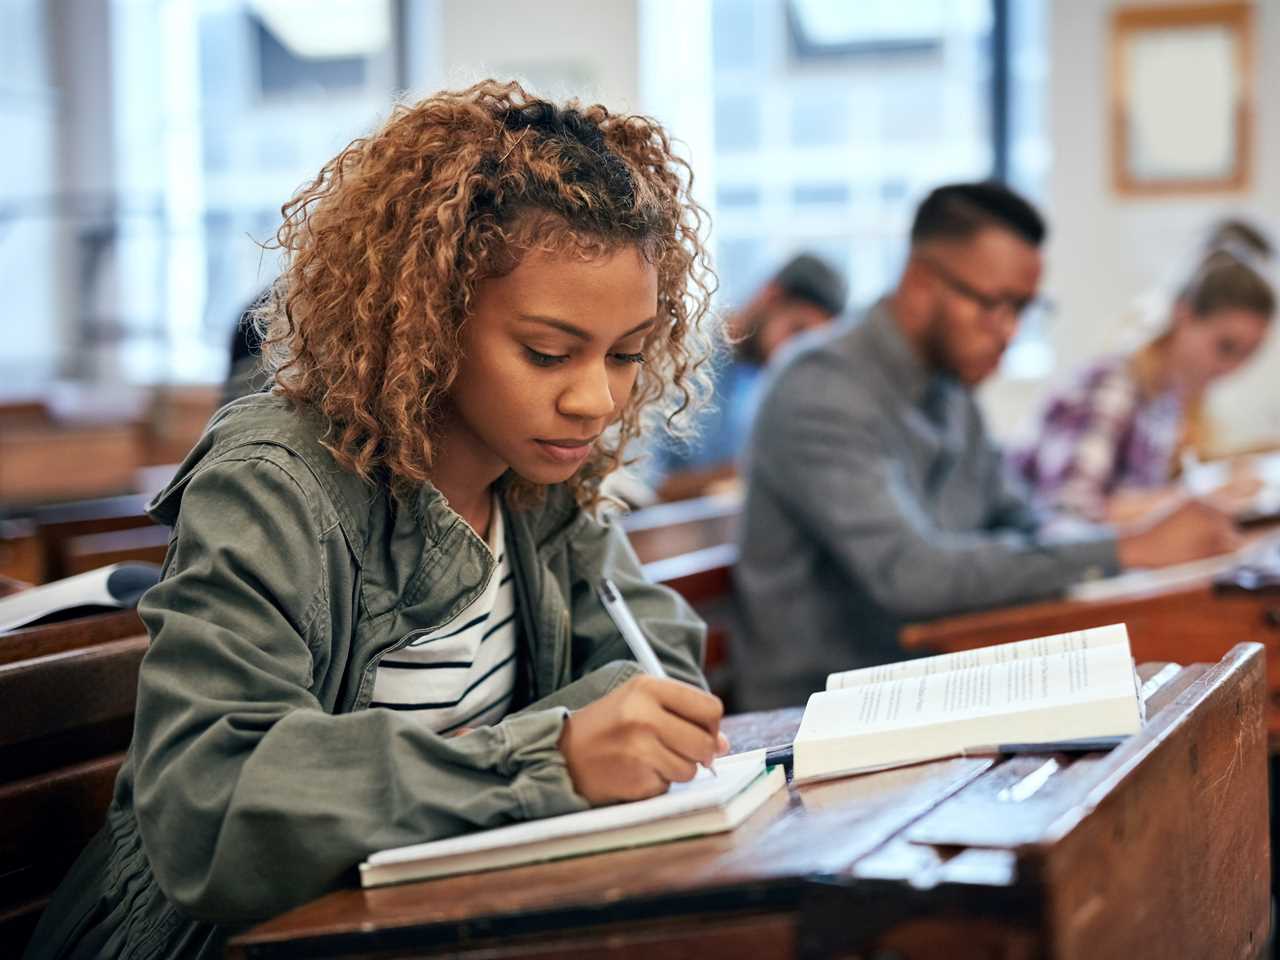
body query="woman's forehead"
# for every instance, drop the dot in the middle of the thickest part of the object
(618, 289)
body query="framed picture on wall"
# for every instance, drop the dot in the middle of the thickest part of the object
(1182, 97)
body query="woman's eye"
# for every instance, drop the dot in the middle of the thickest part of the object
(543, 359)
(629, 357)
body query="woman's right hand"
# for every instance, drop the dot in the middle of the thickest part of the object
(635, 741)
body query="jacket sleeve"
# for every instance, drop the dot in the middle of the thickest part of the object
(250, 797)
(819, 452)
(676, 633)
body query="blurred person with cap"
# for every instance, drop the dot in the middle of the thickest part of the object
(807, 293)
(874, 493)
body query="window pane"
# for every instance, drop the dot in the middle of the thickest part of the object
(737, 123)
(857, 109)
(733, 34)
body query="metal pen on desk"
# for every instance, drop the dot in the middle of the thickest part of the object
(637, 642)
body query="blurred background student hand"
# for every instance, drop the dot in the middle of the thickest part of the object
(1191, 530)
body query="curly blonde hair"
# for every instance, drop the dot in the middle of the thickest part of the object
(384, 249)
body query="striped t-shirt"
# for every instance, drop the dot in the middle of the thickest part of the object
(463, 673)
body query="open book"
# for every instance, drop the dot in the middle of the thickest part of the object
(117, 586)
(1073, 686)
(704, 805)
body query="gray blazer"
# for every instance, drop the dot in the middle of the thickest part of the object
(875, 496)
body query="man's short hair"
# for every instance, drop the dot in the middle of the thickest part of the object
(811, 279)
(957, 211)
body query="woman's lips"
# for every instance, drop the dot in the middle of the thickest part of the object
(566, 451)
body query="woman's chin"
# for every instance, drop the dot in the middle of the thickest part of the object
(545, 474)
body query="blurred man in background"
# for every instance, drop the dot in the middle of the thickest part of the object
(874, 494)
(805, 294)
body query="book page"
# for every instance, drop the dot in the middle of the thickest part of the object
(1114, 634)
(1074, 694)
(1075, 675)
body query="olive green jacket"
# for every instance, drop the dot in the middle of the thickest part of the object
(258, 777)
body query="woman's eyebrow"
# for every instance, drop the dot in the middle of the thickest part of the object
(578, 332)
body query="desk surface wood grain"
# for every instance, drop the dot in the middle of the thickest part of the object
(1154, 849)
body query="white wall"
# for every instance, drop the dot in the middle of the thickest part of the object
(1105, 250)
(584, 48)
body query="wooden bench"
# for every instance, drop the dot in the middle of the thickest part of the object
(93, 550)
(689, 546)
(68, 721)
(59, 527)
(42, 464)
(175, 418)
(21, 553)
(29, 643)
(1156, 849)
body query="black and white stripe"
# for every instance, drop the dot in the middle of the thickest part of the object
(463, 674)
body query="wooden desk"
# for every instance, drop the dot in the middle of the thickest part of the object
(21, 553)
(686, 526)
(26, 643)
(60, 526)
(689, 546)
(43, 464)
(1158, 849)
(68, 720)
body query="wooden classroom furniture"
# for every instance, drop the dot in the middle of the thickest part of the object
(42, 464)
(68, 721)
(21, 555)
(683, 527)
(1156, 849)
(87, 442)
(28, 643)
(93, 550)
(689, 546)
(58, 527)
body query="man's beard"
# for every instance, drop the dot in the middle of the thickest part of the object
(934, 344)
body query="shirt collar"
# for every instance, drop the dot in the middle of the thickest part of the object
(904, 369)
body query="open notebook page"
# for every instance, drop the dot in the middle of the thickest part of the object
(734, 773)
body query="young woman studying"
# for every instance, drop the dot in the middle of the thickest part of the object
(377, 623)
(1108, 447)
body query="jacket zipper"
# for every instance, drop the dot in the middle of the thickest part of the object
(362, 702)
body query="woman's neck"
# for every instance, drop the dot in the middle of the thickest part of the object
(465, 479)
(1153, 369)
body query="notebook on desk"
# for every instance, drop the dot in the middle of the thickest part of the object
(1067, 688)
(702, 806)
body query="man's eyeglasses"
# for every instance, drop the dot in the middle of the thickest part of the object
(992, 305)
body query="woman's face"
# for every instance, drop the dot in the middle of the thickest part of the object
(1210, 346)
(550, 355)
